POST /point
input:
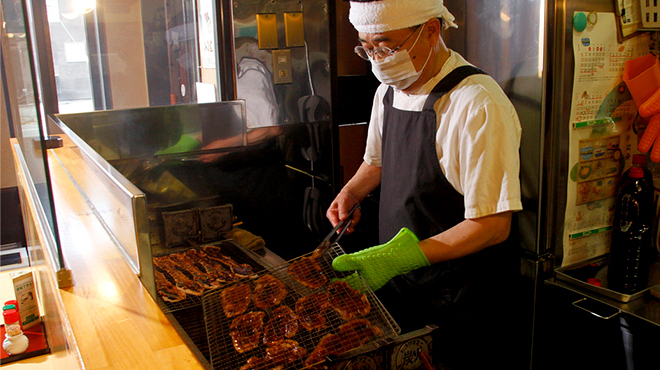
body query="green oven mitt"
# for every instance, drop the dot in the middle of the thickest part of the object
(185, 144)
(379, 264)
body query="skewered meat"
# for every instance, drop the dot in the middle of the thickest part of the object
(308, 272)
(214, 268)
(278, 356)
(198, 273)
(240, 269)
(283, 324)
(311, 310)
(348, 302)
(182, 281)
(235, 299)
(246, 331)
(268, 292)
(330, 344)
(357, 332)
(166, 290)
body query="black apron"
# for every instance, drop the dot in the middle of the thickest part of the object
(416, 194)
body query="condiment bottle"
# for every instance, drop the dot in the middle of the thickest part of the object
(15, 341)
(14, 303)
(631, 250)
(638, 160)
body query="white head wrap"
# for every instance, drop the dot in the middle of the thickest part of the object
(388, 15)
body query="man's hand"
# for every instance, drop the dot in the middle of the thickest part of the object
(379, 264)
(365, 180)
(340, 207)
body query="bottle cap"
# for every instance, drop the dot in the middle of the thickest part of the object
(639, 159)
(636, 173)
(8, 307)
(11, 316)
(594, 281)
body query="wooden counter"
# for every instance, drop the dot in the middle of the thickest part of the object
(116, 323)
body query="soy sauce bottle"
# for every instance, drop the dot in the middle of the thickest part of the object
(638, 160)
(631, 249)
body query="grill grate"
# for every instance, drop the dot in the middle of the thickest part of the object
(191, 321)
(228, 248)
(343, 329)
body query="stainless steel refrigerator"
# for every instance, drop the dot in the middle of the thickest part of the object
(526, 45)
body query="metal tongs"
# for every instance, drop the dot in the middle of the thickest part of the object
(330, 238)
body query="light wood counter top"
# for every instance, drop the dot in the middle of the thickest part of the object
(116, 323)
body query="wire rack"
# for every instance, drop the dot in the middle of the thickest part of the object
(230, 249)
(326, 330)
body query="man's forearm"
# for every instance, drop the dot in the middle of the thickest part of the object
(468, 237)
(366, 179)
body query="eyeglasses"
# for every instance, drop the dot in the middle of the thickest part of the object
(380, 51)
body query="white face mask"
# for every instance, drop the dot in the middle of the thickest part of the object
(398, 69)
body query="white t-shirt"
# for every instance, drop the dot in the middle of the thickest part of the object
(477, 140)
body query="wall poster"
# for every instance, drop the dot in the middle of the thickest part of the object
(602, 140)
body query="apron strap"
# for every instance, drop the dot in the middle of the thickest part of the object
(449, 82)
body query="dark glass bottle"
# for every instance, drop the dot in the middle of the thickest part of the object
(631, 250)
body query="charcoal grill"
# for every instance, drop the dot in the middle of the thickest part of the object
(223, 355)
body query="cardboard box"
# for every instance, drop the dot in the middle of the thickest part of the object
(26, 295)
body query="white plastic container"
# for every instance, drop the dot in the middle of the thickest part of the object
(15, 344)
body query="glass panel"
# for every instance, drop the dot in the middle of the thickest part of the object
(133, 54)
(24, 117)
(294, 62)
(140, 154)
(66, 22)
(207, 88)
(44, 267)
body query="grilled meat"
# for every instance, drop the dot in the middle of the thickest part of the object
(330, 344)
(283, 324)
(182, 281)
(285, 352)
(236, 299)
(277, 357)
(193, 271)
(214, 268)
(307, 272)
(351, 335)
(246, 331)
(348, 302)
(198, 273)
(258, 363)
(166, 290)
(358, 332)
(311, 310)
(239, 269)
(268, 292)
